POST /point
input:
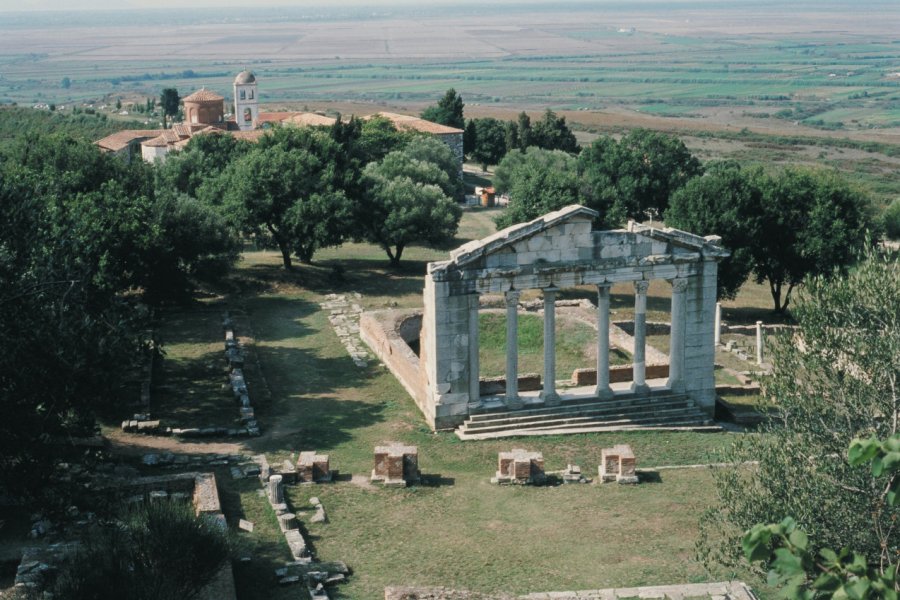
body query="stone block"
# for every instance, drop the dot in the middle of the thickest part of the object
(396, 464)
(617, 464)
(313, 468)
(520, 467)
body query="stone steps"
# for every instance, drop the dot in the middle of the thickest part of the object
(631, 402)
(670, 412)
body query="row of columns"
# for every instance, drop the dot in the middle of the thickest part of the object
(603, 390)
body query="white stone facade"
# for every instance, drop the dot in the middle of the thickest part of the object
(557, 251)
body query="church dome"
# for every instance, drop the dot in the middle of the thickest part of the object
(245, 77)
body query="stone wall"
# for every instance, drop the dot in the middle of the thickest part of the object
(455, 142)
(617, 374)
(724, 590)
(386, 333)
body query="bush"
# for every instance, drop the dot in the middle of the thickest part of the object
(891, 220)
(160, 552)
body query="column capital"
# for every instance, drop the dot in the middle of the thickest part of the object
(604, 287)
(679, 284)
(641, 287)
(549, 292)
(512, 297)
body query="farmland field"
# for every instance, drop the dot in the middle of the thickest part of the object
(776, 83)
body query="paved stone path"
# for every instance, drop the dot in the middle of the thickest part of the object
(344, 318)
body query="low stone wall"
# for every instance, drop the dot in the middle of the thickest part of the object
(384, 333)
(617, 374)
(496, 386)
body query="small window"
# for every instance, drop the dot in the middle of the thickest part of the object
(243, 94)
(251, 94)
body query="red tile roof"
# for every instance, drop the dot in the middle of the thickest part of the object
(407, 122)
(203, 95)
(121, 139)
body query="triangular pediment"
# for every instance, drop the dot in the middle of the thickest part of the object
(515, 234)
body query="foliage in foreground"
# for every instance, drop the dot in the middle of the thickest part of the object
(835, 379)
(804, 574)
(159, 552)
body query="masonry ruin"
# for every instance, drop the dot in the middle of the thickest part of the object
(550, 254)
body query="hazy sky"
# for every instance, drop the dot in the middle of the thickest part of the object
(20, 5)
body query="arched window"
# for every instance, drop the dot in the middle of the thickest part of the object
(244, 94)
(251, 94)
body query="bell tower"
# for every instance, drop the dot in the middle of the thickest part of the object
(246, 101)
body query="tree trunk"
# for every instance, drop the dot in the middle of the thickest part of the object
(775, 288)
(394, 256)
(286, 256)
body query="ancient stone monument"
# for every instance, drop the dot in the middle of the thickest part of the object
(313, 468)
(520, 466)
(396, 465)
(552, 253)
(617, 464)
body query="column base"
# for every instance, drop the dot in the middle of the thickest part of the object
(514, 403)
(641, 389)
(604, 393)
(676, 386)
(550, 398)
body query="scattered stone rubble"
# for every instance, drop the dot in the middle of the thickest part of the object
(344, 318)
(520, 467)
(726, 590)
(396, 465)
(617, 464)
(573, 474)
(311, 468)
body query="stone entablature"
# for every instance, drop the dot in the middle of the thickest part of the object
(556, 251)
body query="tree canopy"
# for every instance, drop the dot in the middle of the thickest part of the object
(489, 146)
(636, 174)
(288, 192)
(537, 181)
(448, 111)
(406, 203)
(549, 133)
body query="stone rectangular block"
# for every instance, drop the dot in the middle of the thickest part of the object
(396, 464)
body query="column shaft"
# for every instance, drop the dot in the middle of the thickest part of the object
(603, 390)
(549, 394)
(474, 368)
(676, 335)
(639, 380)
(512, 350)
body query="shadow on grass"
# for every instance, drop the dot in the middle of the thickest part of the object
(649, 477)
(435, 481)
(749, 315)
(277, 318)
(318, 423)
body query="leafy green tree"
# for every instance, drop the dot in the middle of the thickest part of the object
(524, 136)
(195, 170)
(405, 204)
(287, 192)
(811, 222)
(835, 379)
(431, 150)
(470, 137)
(160, 552)
(169, 101)
(891, 220)
(448, 111)
(66, 83)
(550, 133)
(490, 141)
(724, 201)
(637, 174)
(537, 181)
(803, 573)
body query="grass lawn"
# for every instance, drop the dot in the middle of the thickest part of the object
(575, 345)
